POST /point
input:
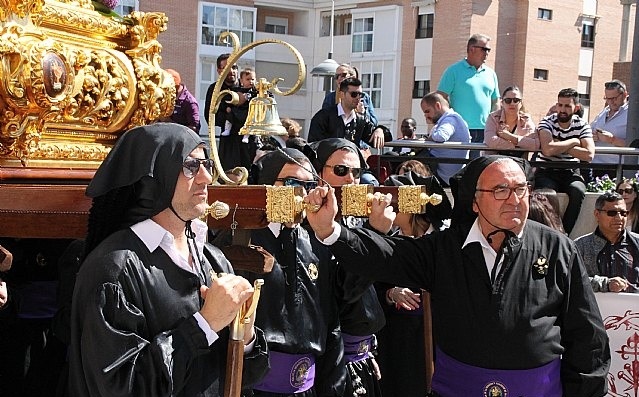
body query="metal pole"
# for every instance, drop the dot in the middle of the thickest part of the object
(632, 129)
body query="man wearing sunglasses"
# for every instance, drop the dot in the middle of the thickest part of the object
(332, 98)
(609, 126)
(611, 252)
(340, 163)
(297, 304)
(513, 312)
(342, 120)
(472, 88)
(149, 316)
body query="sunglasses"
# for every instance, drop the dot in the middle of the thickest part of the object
(627, 191)
(343, 170)
(355, 94)
(342, 75)
(191, 167)
(612, 213)
(485, 49)
(611, 85)
(290, 181)
(512, 100)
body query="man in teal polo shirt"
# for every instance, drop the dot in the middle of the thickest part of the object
(472, 88)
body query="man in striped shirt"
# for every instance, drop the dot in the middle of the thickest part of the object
(564, 136)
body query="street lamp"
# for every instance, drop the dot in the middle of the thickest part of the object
(328, 66)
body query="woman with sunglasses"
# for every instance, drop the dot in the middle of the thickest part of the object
(511, 127)
(628, 190)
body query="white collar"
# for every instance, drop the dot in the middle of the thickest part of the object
(475, 235)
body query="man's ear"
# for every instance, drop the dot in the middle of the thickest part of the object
(475, 207)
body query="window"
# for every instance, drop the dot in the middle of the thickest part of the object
(587, 35)
(372, 85)
(276, 25)
(421, 88)
(545, 14)
(540, 74)
(341, 25)
(126, 7)
(424, 26)
(362, 35)
(216, 19)
(583, 88)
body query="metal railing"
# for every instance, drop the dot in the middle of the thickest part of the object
(627, 156)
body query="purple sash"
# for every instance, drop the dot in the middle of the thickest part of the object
(543, 381)
(289, 373)
(357, 348)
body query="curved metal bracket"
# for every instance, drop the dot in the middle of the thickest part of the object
(218, 94)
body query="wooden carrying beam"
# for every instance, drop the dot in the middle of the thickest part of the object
(61, 211)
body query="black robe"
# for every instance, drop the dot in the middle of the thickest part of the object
(533, 319)
(298, 313)
(132, 327)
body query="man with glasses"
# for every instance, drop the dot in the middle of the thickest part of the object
(342, 120)
(609, 126)
(472, 88)
(513, 313)
(297, 304)
(448, 126)
(149, 315)
(611, 253)
(361, 316)
(345, 71)
(565, 137)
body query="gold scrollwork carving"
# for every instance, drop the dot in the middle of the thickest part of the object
(86, 78)
(283, 204)
(355, 200)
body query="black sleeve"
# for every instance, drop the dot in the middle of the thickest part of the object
(207, 102)
(319, 127)
(397, 260)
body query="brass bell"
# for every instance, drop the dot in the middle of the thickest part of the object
(263, 118)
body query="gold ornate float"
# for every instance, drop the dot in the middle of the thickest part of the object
(72, 81)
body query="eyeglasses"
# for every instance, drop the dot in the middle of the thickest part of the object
(342, 75)
(191, 167)
(485, 49)
(504, 192)
(290, 181)
(628, 190)
(612, 213)
(355, 94)
(613, 98)
(512, 100)
(343, 170)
